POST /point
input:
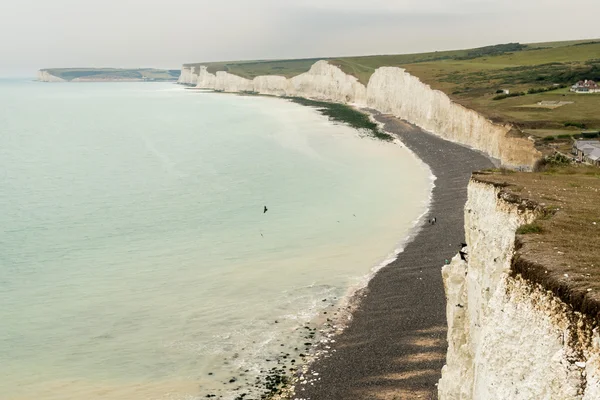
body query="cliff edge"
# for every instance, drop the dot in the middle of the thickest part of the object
(522, 308)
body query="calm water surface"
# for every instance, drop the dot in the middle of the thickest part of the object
(136, 261)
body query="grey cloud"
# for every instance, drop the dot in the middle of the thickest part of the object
(131, 33)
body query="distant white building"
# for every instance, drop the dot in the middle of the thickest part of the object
(587, 86)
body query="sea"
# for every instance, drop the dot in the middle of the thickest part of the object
(137, 261)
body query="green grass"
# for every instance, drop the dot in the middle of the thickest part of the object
(529, 228)
(471, 77)
(252, 69)
(564, 43)
(345, 114)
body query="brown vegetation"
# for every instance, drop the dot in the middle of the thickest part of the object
(561, 249)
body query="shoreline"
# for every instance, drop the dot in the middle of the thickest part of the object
(394, 345)
(389, 340)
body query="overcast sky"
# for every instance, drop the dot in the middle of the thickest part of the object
(134, 33)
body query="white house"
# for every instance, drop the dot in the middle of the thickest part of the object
(587, 86)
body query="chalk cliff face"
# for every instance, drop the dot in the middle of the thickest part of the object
(509, 338)
(390, 90)
(44, 76)
(188, 76)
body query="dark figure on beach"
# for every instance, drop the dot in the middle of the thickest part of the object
(433, 220)
(463, 245)
(266, 209)
(463, 255)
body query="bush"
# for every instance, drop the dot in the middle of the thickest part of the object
(553, 161)
(548, 138)
(505, 96)
(590, 135)
(493, 50)
(529, 228)
(546, 89)
(579, 125)
(564, 136)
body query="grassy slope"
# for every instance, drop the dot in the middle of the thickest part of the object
(114, 73)
(471, 77)
(473, 82)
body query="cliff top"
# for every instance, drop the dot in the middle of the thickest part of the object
(106, 74)
(537, 77)
(560, 250)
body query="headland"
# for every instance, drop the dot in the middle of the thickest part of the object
(107, 75)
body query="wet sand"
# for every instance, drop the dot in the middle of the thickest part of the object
(395, 346)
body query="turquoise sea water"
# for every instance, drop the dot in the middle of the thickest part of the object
(136, 261)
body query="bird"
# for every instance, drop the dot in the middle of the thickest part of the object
(266, 209)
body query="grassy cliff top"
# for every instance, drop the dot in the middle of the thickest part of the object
(538, 72)
(560, 249)
(149, 74)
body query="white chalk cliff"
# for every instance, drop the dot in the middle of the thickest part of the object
(390, 90)
(508, 338)
(45, 76)
(188, 76)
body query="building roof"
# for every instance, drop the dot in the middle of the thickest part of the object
(581, 144)
(594, 154)
(589, 148)
(588, 84)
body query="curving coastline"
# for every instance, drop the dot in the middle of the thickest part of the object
(395, 344)
(390, 90)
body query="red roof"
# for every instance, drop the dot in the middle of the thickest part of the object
(588, 84)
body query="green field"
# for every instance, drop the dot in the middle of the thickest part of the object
(142, 74)
(472, 77)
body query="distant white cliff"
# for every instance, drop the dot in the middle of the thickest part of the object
(390, 90)
(45, 76)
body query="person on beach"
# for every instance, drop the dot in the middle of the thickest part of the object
(265, 210)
